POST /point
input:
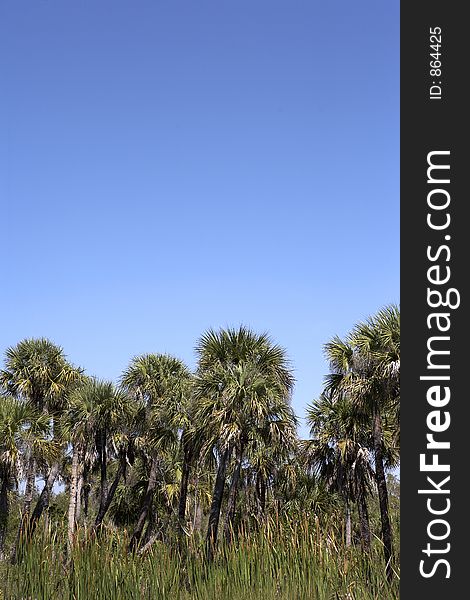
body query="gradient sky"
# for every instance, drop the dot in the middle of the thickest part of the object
(170, 166)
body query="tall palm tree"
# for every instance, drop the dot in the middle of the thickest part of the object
(243, 386)
(78, 428)
(378, 343)
(97, 414)
(112, 408)
(270, 450)
(339, 455)
(161, 383)
(24, 432)
(36, 370)
(365, 368)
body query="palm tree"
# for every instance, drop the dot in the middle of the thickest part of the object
(78, 428)
(301, 493)
(269, 453)
(365, 368)
(161, 383)
(37, 371)
(111, 410)
(97, 411)
(339, 454)
(243, 385)
(24, 432)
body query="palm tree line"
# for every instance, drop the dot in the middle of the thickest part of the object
(173, 455)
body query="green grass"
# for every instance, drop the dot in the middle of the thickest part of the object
(292, 563)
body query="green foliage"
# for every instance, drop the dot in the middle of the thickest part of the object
(284, 561)
(147, 467)
(37, 370)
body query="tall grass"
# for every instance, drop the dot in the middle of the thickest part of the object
(291, 562)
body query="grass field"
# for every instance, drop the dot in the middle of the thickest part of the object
(291, 563)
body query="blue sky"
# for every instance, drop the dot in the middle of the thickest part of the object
(170, 166)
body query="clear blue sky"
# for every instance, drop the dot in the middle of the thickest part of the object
(170, 166)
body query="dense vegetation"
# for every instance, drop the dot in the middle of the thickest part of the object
(175, 484)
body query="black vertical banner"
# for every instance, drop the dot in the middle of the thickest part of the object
(435, 415)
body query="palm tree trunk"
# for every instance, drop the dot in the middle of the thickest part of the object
(4, 512)
(364, 521)
(29, 489)
(165, 524)
(184, 485)
(348, 525)
(197, 510)
(145, 507)
(216, 505)
(143, 549)
(382, 492)
(43, 500)
(86, 490)
(232, 495)
(28, 498)
(73, 497)
(78, 508)
(197, 522)
(109, 498)
(261, 494)
(102, 455)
